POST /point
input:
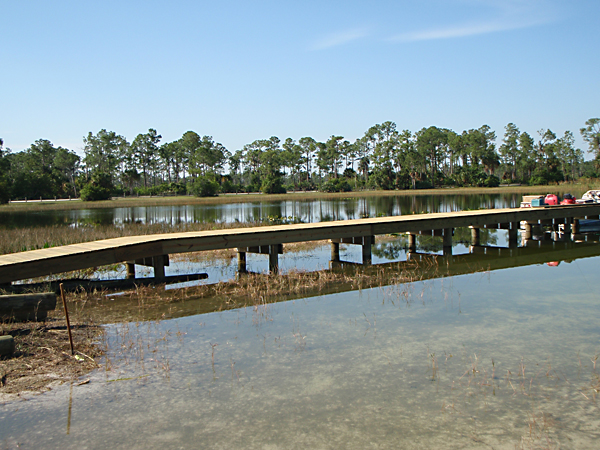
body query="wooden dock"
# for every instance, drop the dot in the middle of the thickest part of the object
(154, 250)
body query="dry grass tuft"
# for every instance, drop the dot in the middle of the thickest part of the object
(43, 354)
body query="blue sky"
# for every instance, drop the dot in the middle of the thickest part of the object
(240, 71)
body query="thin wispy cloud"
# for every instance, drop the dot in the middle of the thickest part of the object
(341, 38)
(504, 16)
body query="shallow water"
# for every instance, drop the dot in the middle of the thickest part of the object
(503, 359)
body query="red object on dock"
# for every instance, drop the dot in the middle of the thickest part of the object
(568, 199)
(551, 199)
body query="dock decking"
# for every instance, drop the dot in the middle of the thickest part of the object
(154, 249)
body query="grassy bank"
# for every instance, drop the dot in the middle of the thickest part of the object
(127, 202)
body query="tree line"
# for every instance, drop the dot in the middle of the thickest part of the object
(383, 158)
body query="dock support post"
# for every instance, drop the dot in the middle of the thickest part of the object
(366, 249)
(526, 234)
(130, 269)
(159, 266)
(513, 234)
(335, 251)
(241, 258)
(274, 259)
(412, 242)
(447, 241)
(475, 236)
(575, 226)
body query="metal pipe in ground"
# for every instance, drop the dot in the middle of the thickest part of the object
(62, 295)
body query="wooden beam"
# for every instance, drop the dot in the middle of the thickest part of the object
(25, 307)
(262, 249)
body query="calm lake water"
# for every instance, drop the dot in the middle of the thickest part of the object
(495, 359)
(298, 210)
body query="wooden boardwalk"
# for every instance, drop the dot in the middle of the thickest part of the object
(153, 250)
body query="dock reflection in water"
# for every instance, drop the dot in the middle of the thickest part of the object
(504, 357)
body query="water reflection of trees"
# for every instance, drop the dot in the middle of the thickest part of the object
(432, 244)
(308, 211)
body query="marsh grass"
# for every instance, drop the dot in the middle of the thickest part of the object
(250, 290)
(13, 240)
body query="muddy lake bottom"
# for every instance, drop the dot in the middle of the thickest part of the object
(500, 359)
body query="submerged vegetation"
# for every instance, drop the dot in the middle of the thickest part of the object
(383, 158)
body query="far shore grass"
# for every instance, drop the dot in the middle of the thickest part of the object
(126, 202)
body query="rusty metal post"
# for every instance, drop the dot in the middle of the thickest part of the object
(62, 295)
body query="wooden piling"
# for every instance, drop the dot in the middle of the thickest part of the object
(475, 236)
(159, 266)
(366, 249)
(335, 252)
(575, 226)
(412, 242)
(241, 258)
(274, 259)
(513, 234)
(130, 269)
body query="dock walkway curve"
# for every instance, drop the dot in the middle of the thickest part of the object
(157, 247)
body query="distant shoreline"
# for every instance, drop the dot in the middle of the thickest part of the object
(116, 202)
